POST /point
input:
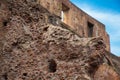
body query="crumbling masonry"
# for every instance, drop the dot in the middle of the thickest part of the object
(39, 41)
(76, 19)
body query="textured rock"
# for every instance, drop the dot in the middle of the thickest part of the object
(31, 48)
(106, 72)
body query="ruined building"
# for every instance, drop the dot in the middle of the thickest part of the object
(79, 21)
(53, 40)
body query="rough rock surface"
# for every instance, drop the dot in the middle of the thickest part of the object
(34, 47)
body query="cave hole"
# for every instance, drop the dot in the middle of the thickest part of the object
(52, 65)
(5, 76)
(5, 23)
(24, 74)
(45, 29)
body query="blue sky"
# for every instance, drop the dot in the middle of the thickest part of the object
(107, 12)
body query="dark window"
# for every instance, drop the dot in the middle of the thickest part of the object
(90, 29)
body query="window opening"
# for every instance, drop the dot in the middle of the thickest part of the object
(90, 29)
(64, 13)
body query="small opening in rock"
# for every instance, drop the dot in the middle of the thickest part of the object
(73, 56)
(52, 65)
(5, 23)
(0, 5)
(45, 29)
(100, 42)
(15, 44)
(10, 8)
(41, 17)
(24, 74)
(51, 19)
(5, 76)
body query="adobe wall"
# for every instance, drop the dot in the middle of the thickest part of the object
(77, 19)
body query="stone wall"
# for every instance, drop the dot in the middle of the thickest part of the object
(31, 48)
(107, 73)
(76, 19)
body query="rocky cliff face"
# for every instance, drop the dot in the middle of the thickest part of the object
(34, 47)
